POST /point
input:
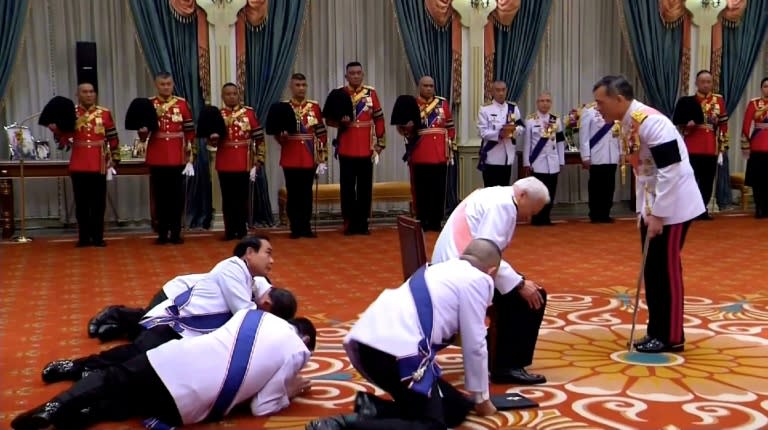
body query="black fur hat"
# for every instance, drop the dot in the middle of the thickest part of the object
(338, 104)
(405, 110)
(210, 121)
(141, 113)
(60, 111)
(687, 109)
(280, 118)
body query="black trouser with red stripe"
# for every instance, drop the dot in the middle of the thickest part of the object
(90, 191)
(664, 283)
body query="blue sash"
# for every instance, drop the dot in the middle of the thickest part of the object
(537, 149)
(427, 123)
(757, 131)
(600, 134)
(360, 107)
(203, 323)
(420, 369)
(238, 366)
(484, 149)
(309, 144)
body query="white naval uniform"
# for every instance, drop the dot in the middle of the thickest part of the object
(553, 155)
(460, 297)
(227, 288)
(669, 192)
(182, 283)
(194, 369)
(490, 120)
(487, 213)
(607, 150)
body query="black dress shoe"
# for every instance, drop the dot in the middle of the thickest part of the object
(309, 234)
(517, 376)
(82, 244)
(100, 243)
(99, 319)
(176, 240)
(295, 235)
(62, 370)
(655, 346)
(36, 419)
(642, 340)
(109, 331)
(338, 422)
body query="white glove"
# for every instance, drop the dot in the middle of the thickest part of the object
(375, 158)
(720, 159)
(518, 131)
(253, 174)
(111, 172)
(188, 170)
(321, 169)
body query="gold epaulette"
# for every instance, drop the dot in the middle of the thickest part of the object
(639, 116)
(590, 105)
(488, 103)
(511, 103)
(285, 101)
(440, 98)
(553, 116)
(531, 116)
(247, 108)
(312, 102)
(368, 87)
(179, 98)
(102, 108)
(715, 95)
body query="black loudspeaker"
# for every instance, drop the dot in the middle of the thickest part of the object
(86, 64)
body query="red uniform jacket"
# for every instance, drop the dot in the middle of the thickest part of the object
(94, 140)
(712, 136)
(244, 144)
(756, 139)
(167, 146)
(436, 140)
(356, 139)
(308, 146)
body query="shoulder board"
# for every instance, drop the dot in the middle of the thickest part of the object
(756, 99)
(102, 108)
(312, 101)
(553, 116)
(180, 98)
(590, 105)
(487, 103)
(511, 103)
(440, 98)
(248, 108)
(368, 87)
(715, 95)
(285, 101)
(639, 116)
(341, 87)
(531, 116)
(153, 98)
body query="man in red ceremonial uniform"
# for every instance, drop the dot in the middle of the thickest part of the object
(355, 150)
(94, 147)
(706, 141)
(754, 145)
(170, 153)
(302, 156)
(240, 155)
(430, 156)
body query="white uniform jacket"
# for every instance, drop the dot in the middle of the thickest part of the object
(182, 283)
(460, 297)
(225, 290)
(487, 213)
(490, 120)
(552, 155)
(666, 187)
(606, 149)
(194, 369)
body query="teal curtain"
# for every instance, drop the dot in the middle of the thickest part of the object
(12, 15)
(657, 51)
(170, 45)
(428, 49)
(741, 49)
(516, 46)
(270, 53)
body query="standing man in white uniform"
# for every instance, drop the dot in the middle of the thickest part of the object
(600, 149)
(491, 213)
(205, 307)
(393, 345)
(255, 357)
(544, 151)
(667, 200)
(499, 125)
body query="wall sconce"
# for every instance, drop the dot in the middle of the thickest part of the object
(478, 4)
(710, 3)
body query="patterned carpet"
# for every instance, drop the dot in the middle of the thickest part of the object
(50, 289)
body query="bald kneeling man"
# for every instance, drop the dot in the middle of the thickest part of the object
(255, 357)
(393, 345)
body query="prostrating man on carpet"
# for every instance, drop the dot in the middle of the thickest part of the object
(208, 305)
(121, 322)
(394, 343)
(491, 213)
(667, 200)
(254, 357)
